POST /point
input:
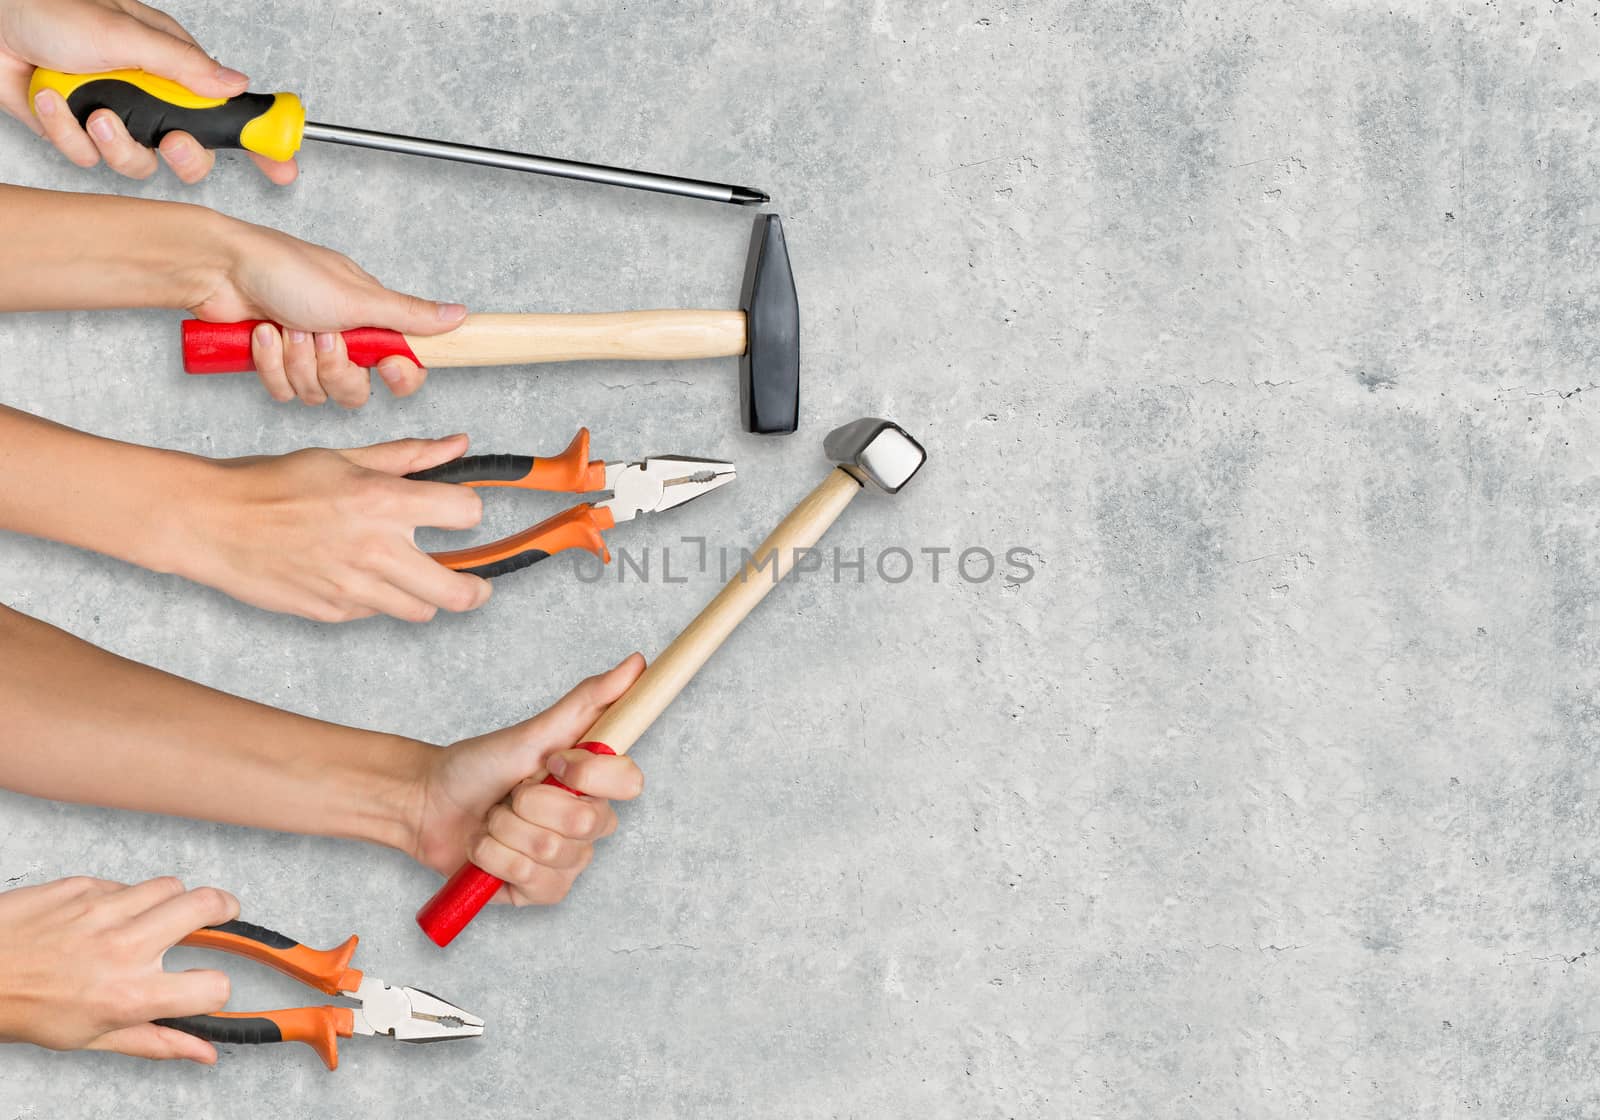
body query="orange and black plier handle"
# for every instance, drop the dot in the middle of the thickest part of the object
(326, 970)
(579, 527)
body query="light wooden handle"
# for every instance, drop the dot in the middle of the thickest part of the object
(499, 340)
(631, 716)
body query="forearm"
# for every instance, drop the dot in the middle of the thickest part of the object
(83, 251)
(86, 726)
(117, 498)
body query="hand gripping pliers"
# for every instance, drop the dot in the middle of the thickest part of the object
(406, 1014)
(649, 486)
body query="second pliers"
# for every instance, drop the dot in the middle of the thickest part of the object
(397, 1012)
(650, 485)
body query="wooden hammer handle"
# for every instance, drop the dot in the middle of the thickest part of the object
(631, 716)
(470, 889)
(494, 340)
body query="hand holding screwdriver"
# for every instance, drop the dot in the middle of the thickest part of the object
(95, 35)
(273, 125)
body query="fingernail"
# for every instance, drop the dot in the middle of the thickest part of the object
(265, 335)
(297, 336)
(324, 343)
(229, 76)
(451, 313)
(100, 128)
(556, 764)
(180, 152)
(390, 372)
(45, 103)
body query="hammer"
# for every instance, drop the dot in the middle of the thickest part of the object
(867, 451)
(764, 333)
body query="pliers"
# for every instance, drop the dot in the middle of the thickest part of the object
(648, 486)
(405, 1014)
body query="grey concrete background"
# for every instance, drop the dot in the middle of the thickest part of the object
(1269, 327)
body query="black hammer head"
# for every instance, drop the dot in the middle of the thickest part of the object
(877, 451)
(769, 372)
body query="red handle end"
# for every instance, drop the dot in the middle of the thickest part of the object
(470, 889)
(225, 347)
(457, 903)
(217, 347)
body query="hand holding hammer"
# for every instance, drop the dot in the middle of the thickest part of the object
(868, 452)
(764, 334)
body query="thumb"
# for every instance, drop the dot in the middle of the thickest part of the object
(168, 56)
(159, 1043)
(560, 725)
(380, 307)
(482, 770)
(404, 456)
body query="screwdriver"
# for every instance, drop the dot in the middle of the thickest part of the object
(274, 124)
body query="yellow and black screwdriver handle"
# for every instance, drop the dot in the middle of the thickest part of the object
(269, 124)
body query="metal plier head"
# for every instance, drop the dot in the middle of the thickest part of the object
(410, 1014)
(661, 482)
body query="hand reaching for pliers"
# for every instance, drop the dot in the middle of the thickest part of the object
(319, 533)
(327, 534)
(81, 962)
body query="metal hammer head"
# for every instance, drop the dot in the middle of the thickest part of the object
(877, 451)
(769, 372)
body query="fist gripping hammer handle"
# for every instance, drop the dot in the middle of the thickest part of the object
(470, 889)
(274, 124)
(460, 899)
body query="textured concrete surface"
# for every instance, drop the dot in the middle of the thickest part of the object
(1269, 328)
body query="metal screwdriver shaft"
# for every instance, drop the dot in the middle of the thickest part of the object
(538, 165)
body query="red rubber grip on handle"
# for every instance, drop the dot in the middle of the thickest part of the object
(225, 347)
(470, 889)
